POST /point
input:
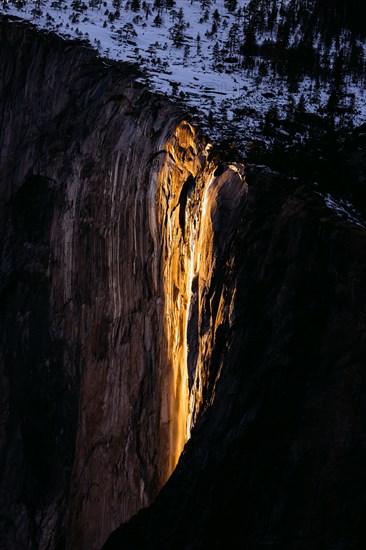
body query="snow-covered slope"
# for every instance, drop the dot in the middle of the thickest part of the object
(202, 51)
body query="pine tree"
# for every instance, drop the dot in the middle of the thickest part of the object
(186, 53)
(198, 44)
(216, 15)
(135, 5)
(205, 4)
(249, 46)
(290, 108)
(300, 109)
(128, 30)
(231, 5)
(158, 21)
(271, 120)
(177, 34)
(216, 54)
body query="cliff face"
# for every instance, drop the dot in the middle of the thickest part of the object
(110, 207)
(150, 296)
(277, 460)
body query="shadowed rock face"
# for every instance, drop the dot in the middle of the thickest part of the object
(278, 459)
(148, 295)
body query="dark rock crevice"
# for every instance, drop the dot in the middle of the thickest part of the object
(39, 397)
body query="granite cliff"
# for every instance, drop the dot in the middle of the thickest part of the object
(153, 299)
(107, 233)
(277, 460)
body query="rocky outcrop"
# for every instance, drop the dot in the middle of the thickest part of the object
(110, 207)
(277, 460)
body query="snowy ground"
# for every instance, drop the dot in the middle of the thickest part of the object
(343, 208)
(187, 72)
(229, 98)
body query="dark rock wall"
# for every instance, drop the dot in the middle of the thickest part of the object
(38, 388)
(278, 460)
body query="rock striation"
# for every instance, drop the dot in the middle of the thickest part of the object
(110, 208)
